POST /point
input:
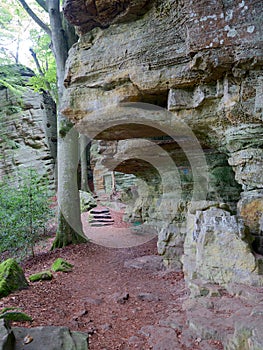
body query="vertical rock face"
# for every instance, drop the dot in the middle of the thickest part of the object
(197, 68)
(215, 251)
(28, 138)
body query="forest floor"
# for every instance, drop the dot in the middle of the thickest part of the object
(121, 297)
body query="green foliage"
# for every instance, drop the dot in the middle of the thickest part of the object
(13, 27)
(24, 212)
(11, 78)
(46, 77)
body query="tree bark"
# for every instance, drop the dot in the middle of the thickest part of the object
(83, 140)
(69, 222)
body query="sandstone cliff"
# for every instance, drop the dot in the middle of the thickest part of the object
(28, 133)
(185, 76)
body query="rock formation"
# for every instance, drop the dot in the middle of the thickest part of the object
(181, 81)
(49, 337)
(12, 277)
(28, 132)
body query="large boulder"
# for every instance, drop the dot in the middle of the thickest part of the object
(7, 339)
(87, 201)
(50, 338)
(216, 252)
(12, 277)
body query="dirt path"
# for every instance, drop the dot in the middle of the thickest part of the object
(121, 307)
(120, 235)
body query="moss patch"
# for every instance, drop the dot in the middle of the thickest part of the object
(14, 314)
(41, 276)
(61, 265)
(12, 277)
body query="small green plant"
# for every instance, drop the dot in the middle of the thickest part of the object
(25, 209)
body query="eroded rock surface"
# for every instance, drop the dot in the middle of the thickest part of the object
(28, 137)
(215, 250)
(181, 66)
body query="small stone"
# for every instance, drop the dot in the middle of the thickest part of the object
(121, 298)
(106, 327)
(149, 263)
(93, 301)
(198, 341)
(148, 297)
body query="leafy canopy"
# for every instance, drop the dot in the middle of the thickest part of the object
(24, 42)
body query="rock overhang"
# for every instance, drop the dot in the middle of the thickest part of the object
(169, 49)
(88, 14)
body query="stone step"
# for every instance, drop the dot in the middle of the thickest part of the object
(101, 224)
(99, 217)
(101, 220)
(98, 212)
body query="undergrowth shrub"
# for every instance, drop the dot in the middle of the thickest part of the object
(25, 209)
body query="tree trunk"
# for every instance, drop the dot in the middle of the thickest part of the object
(69, 222)
(83, 140)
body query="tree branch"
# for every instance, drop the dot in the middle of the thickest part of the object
(43, 4)
(35, 17)
(34, 55)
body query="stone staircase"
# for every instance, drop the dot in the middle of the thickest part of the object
(100, 217)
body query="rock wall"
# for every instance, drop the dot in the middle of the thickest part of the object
(108, 183)
(198, 67)
(28, 138)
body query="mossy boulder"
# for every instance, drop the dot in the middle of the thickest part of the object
(61, 265)
(41, 276)
(87, 201)
(14, 314)
(12, 277)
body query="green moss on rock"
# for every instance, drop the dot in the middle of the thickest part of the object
(41, 276)
(61, 265)
(16, 316)
(12, 277)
